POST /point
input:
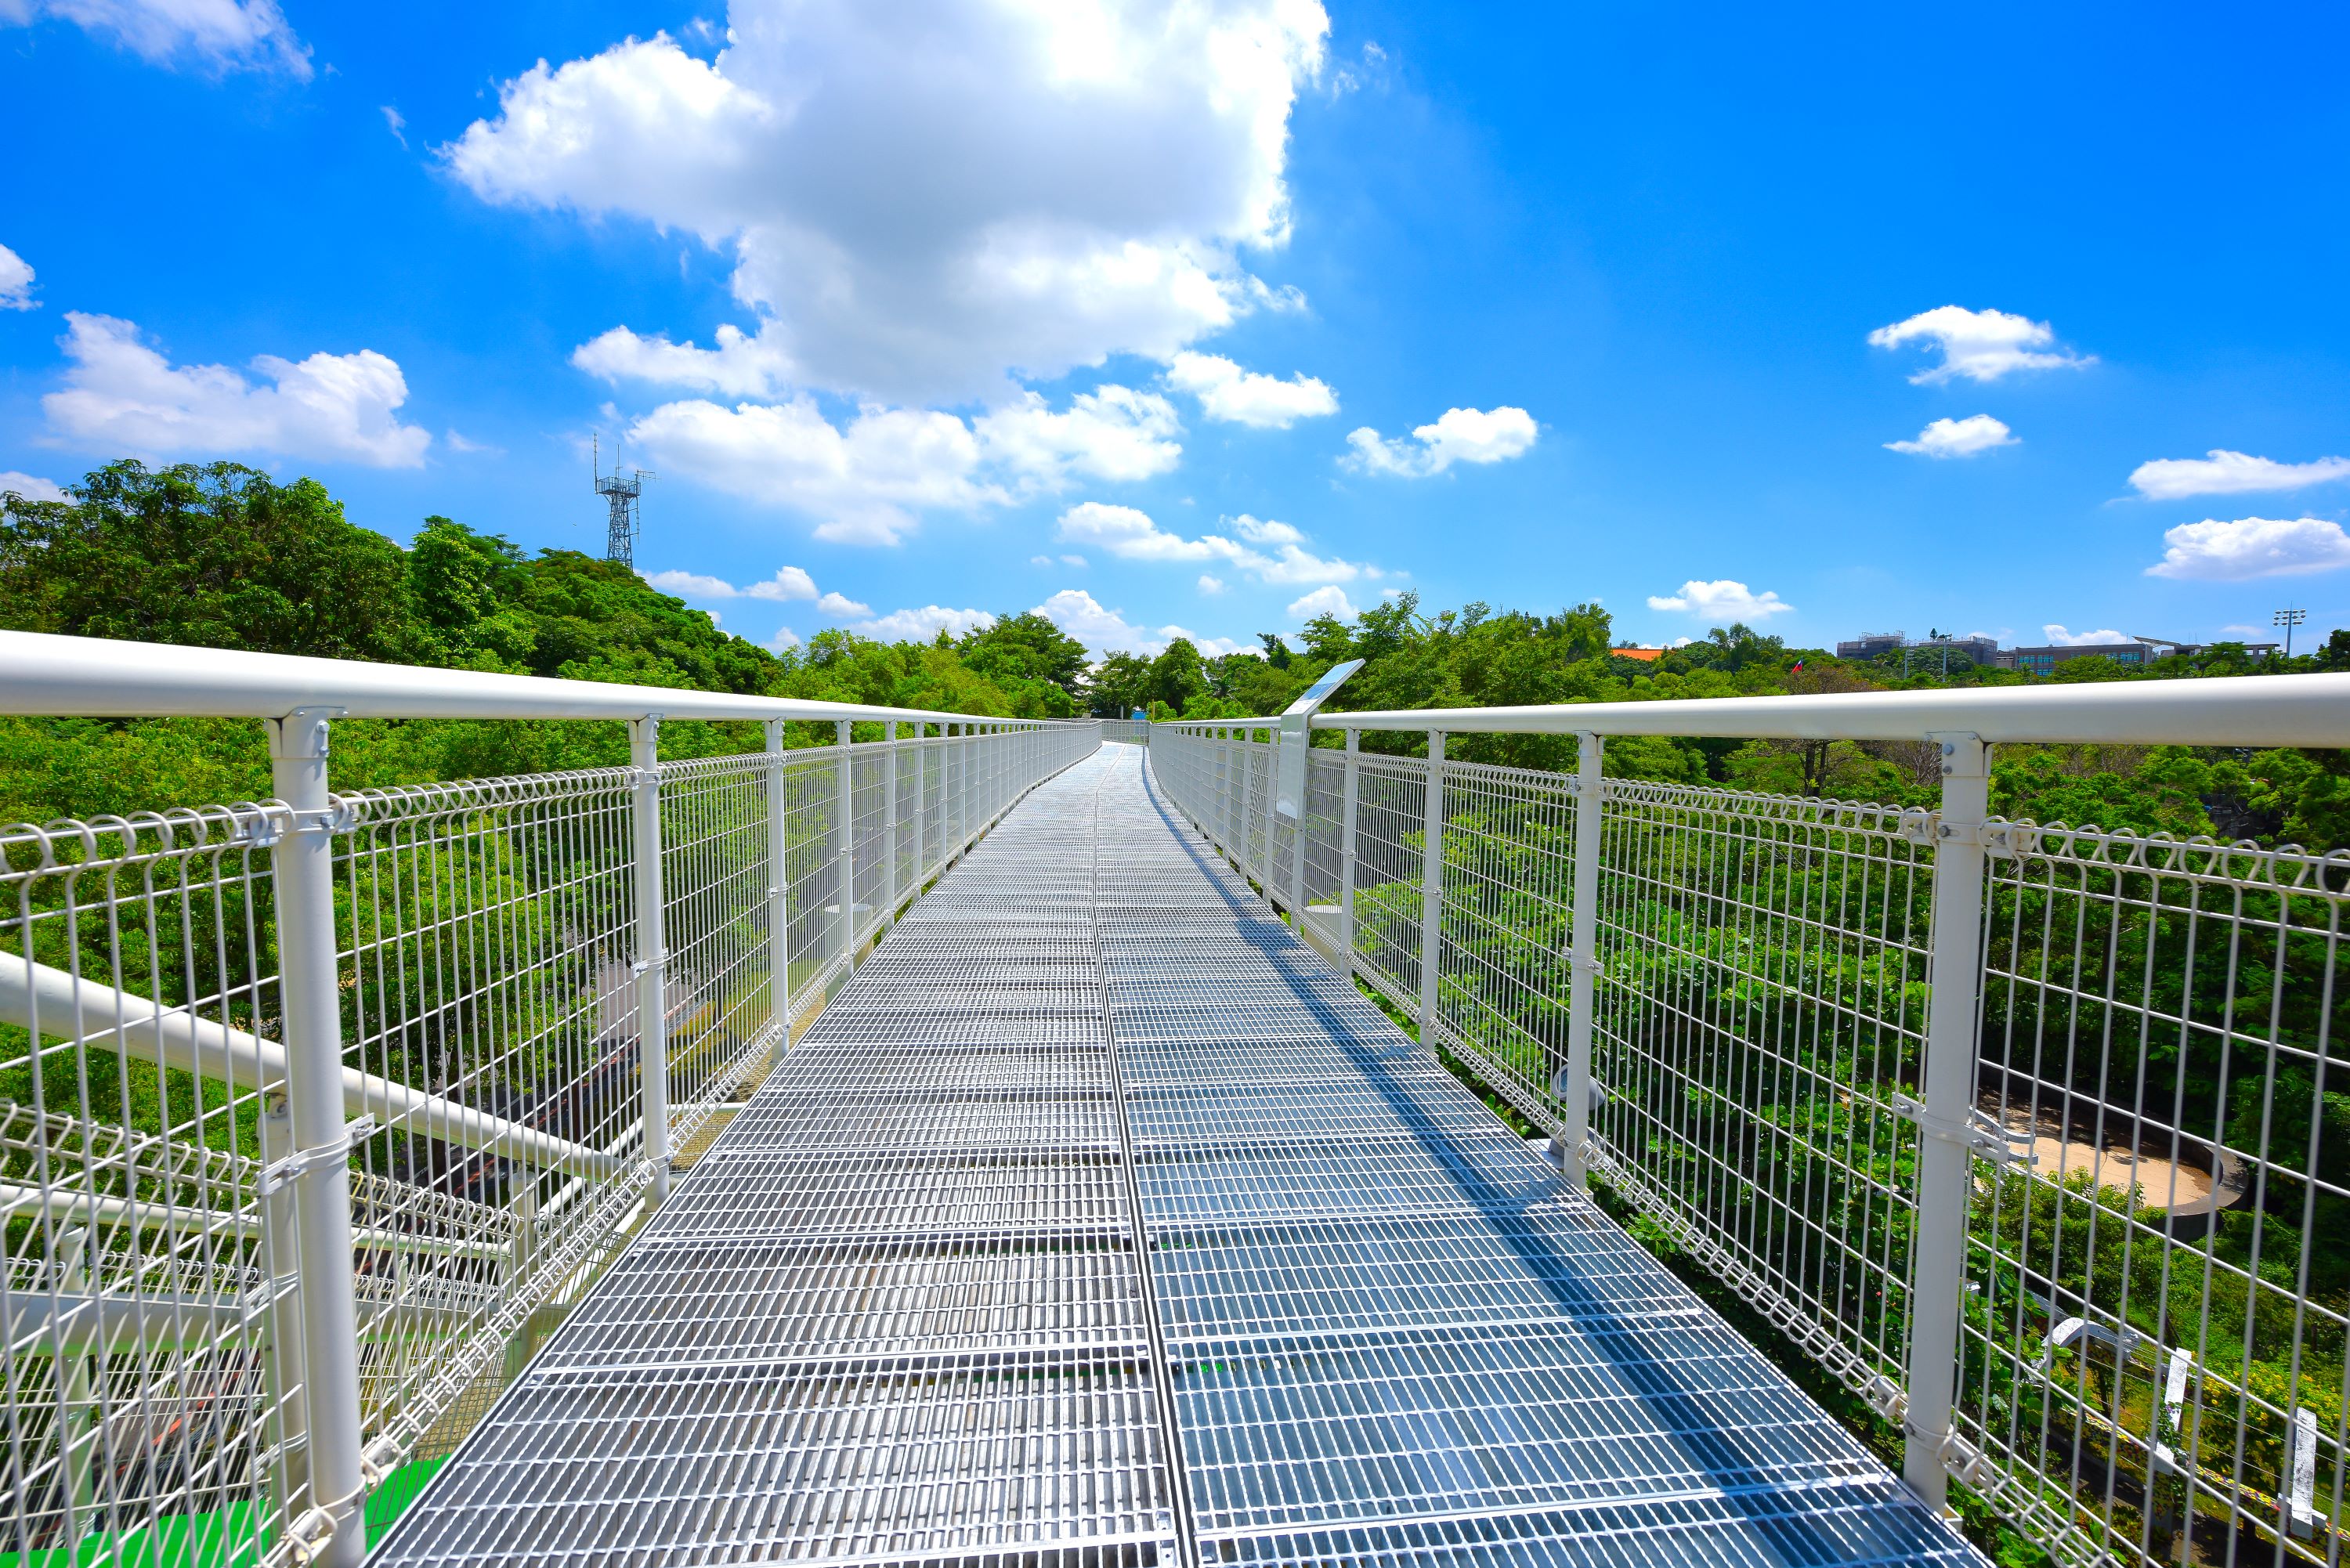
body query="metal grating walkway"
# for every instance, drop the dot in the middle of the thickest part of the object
(1095, 1176)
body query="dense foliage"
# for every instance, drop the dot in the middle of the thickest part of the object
(222, 557)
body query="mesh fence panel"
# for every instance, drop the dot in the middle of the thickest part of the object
(487, 969)
(2151, 1346)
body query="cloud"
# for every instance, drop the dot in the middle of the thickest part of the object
(1076, 561)
(2059, 638)
(863, 482)
(919, 207)
(867, 480)
(1270, 552)
(1322, 601)
(840, 606)
(398, 124)
(1957, 438)
(121, 394)
(1112, 433)
(460, 444)
(789, 583)
(2216, 552)
(1234, 396)
(15, 279)
(740, 365)
(1106, 631)
(785, 637)
(1980, 345)
(1210, 584)
(1462, 435)
(1722, 600)
(219, 35)
(2224, 473)
(32, 487)
(923, 625)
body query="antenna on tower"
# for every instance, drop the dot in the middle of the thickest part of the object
(623, 496)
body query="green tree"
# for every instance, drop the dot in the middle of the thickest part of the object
(211, 556)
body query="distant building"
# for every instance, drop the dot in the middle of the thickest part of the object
(2164, 647)
(1870, 644)
(2041, 660)
(1645, 655)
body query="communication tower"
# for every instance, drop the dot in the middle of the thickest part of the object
(623, 494)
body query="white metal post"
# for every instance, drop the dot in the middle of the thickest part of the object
(890, 820)
(1431, 897)
(921, 803)
(652, 947)
(1297, 832)
(303, 872)
(1952, 1021)
(1265, 863)
(1346, 854)
(779, 894)
(281, 1223)
(845, 839)
(1582, 963)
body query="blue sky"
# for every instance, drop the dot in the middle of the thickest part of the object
(1204, 321)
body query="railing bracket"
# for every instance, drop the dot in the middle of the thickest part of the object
(1980, 1134)
(275, 1175)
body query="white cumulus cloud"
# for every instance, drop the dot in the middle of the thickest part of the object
(2216, 552)
(2224, 473)
(1210, 584)
(31, 486)
(1104, 631)
(785, 637)
(920, 204)
(923, 625)
(218, 35)
(867, 480)
(840, 606)
(1462, 435)
(1271, 552)
(1112, 433)
(2059, 638)
(122, 395)
(1234, 396)
(16, 274)
(1322, 601)
(740, 367)
(1721, 599)
(1980, 345)
(1956, 438)
(861, 483)
(789, 583)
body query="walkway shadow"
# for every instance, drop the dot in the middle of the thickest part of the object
(1672, 1402)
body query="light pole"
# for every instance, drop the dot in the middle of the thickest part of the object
(2288, 618)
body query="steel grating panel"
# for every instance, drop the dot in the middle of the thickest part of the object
(1092, 1172)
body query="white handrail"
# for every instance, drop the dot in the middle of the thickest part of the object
(2224, 711)
(98, 677)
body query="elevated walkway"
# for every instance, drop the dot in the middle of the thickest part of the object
(1097, 1221)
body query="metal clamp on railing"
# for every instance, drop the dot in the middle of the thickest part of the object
(277, 1174)
(1998, 840)
(271, 821)
(378, 1460)
(1979, 1134)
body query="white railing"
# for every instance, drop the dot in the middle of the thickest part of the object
(317, 1113)
(2035, 1137)
(1130, 732)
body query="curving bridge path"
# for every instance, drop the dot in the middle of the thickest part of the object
(1096, 1220)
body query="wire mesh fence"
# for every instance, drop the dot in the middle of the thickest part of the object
(488, 959)
(2149, 1339)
